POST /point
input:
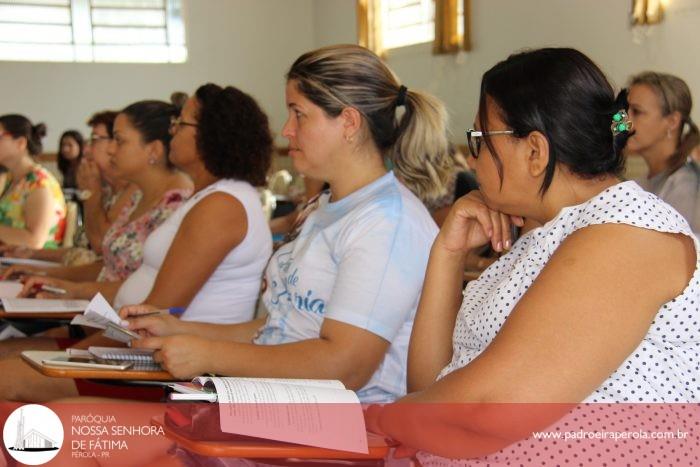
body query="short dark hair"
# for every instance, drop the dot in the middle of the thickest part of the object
(106, 118)
(233, 136)
(151, 119)
(561, 93)
(20, 126)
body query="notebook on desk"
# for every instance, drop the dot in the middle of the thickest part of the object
(100, 358)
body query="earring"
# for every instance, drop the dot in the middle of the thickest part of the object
(668, 134)
(152, 161)
(348, 139)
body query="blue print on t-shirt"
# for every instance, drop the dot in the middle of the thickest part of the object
(280, 290)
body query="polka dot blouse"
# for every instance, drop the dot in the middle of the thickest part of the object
(665, 367)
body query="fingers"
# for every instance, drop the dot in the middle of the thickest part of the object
(497, 236)
(31, 286)
(517, 220)
(12, 272)
(149, 343)
(506, 231)
(136, 310)
(145, 323)
(403, 452)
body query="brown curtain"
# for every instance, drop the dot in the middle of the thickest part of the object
(369, 25)
(447, 40)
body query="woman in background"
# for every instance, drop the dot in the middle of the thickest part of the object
(70, 153)
(32, 207)
(665, 136)
(139, 154)
(105, 195)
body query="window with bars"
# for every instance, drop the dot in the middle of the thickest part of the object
(148, 31)
(409, 22)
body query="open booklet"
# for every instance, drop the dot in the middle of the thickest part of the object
(100, 314)
(318, 413)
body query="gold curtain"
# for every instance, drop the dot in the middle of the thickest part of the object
(647, 11)
(467, 37)
(447, 40)
(446, 31)
(369, 25)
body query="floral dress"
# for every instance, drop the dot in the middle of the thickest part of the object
(15, 197)
(122, 246)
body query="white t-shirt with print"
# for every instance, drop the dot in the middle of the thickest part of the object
(360, 260)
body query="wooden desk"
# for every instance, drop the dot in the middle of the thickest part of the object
(34, 359)
(39, 314)
(247, 449)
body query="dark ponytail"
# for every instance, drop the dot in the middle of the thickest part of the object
(151, 119)
(19, 126)
(562, 94)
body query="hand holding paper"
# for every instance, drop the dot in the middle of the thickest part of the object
(99, 314)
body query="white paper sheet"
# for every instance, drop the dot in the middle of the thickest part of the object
(10, 289)
(97, 314)
(314, 415)
(27, 305)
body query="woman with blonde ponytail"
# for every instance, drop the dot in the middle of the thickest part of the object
(665, 136)
(342, 292)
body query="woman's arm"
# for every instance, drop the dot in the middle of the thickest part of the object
(38, 214)
(207, 234)
(341, 351)
(164, 325)
(96, 220)
(80, 290)
(583, 316)
(431, 339)
(470, 224)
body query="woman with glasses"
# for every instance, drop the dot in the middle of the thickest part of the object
(562, 316)
(209, 255)
(103, 194)
(139, 154)
(32, 207)
(665, 136)
(342, 292)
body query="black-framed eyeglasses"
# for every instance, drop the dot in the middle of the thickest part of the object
(97, 138)
(176, 123)
(475, 137)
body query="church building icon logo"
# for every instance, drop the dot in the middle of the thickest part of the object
(33, 434)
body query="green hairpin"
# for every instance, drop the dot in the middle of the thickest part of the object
(621, 122)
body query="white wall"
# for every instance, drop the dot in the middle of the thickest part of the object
(251, 43)
(246, 43)
(599, 28)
